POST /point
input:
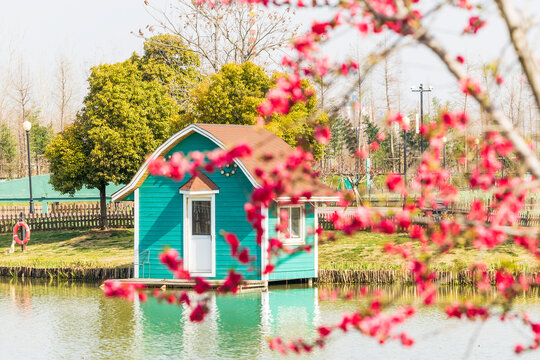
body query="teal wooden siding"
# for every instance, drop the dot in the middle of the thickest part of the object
(298, 266)
(161, 217)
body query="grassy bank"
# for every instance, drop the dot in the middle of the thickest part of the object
(364, 251)
(71, 249)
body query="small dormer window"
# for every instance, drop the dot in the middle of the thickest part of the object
(295, 224)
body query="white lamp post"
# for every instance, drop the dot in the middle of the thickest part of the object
(27, 125)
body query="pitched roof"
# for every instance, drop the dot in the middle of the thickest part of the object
(262, 143)
(260, 140)
(199, 182)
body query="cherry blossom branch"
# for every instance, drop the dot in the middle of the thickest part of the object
(374, 60)
(505, 124)
(422, 35)
(436, 239)
(518, 35)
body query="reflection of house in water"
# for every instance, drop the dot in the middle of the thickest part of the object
(237, 326)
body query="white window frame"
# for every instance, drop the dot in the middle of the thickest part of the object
(300, 240)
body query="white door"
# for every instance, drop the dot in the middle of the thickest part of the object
(201, 247)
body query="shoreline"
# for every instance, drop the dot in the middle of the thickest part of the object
(326, 276)
(96, 274)
(382, 277)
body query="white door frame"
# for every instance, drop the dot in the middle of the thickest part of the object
(190, 196)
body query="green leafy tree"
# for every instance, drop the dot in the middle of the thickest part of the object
(342, 143)
(233, 95)
(380, 158)
(413, 147)
(169, 61)
(297, 127)
(343, 138)
(40, 136)
(339, 127)
(8, 148)
(125, 117)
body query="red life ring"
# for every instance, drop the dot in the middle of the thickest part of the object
(16, 233)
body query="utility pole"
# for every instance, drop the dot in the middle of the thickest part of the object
(357, 148)
(444, 152)
(407, 122)
(405, 156)
(356, 119)
(421, 90)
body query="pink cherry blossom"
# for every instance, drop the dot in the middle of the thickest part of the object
(201, 285)
(233, 242)
(475, 24)
(199, 312)
(323, 134)
(123, 289)
(470, 86)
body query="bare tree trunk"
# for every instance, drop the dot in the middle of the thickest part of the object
(518, 36)
(65, 92)
(520, 117)
(497, 117)
(321, 85)
(226, 33)
(359, 122)
(483, 117)
(21, 85)
(388, 110)
(466, 130)
(372, 102)
(103, 206)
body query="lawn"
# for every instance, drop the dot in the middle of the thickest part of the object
(76, 249)
(111, 248)
(364, 251)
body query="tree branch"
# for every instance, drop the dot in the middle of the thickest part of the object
(505, 124)
(518, 35)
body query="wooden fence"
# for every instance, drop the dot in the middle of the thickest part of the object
(66, 207)
(527, 219)
(125, 219)
(458, 207)
(68, 221)
(325, 221)
(11, 210)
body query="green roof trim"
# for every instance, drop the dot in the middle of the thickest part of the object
(18, 191)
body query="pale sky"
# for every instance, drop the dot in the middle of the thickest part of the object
(92, 32)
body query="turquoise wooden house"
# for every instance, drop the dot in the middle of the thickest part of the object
(190, 215)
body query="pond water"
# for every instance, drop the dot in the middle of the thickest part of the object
(40, 320)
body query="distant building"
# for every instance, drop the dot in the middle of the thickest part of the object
(17, 191)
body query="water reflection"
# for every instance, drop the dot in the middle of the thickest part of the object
(42, 320)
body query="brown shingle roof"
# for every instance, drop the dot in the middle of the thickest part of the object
(199, 182)
(262, 143)
(260, 140)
